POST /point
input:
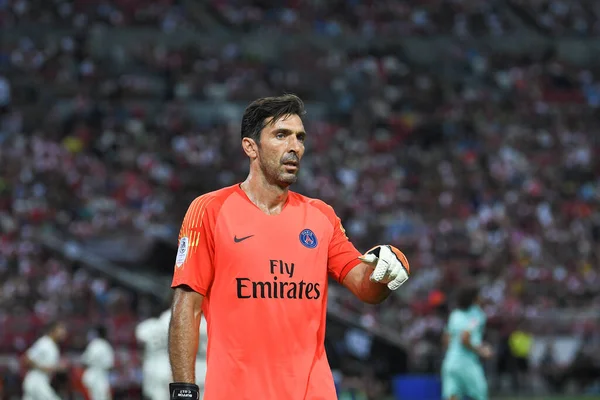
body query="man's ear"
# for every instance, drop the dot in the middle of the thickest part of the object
(250, 147)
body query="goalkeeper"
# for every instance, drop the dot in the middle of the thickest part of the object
(254, 258)
(462, 372)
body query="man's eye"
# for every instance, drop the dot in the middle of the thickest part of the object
(302, 138)
(280, 136)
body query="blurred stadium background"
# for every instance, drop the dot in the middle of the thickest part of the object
(465, 132)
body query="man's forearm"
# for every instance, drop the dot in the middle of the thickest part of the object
(370, 292)
(469, 345)
(383, 269)
(183, 340)
(477, 349)
(30, 364)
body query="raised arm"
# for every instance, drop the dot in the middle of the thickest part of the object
(483, 350)
(382, 270)
(30, 363)
(359, 283)
(371, 276)
(184, 333)
(34, 358)
(86, 357)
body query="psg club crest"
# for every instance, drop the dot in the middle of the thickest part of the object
(308, 239)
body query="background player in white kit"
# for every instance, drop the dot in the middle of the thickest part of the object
(153, 333)
(99, 357)
(43, 361)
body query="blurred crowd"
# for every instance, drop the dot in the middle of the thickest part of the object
(60, 14)
(366, 18)
(39, 286)
(561, 17)
(370, 18)
(487, 171)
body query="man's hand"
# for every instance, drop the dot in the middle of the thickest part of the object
(391, 265)
(63, 366)
(485, 351)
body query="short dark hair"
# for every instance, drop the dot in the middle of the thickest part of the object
(102, 331)
(259, 110)
(53, 324)
(466, 296)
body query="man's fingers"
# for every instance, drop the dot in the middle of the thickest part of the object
(395, 284)
(369, 259)
(380, 267)
(380, 271)
(399, 278)
(389, 267)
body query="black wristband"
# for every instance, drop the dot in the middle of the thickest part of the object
(185, 391)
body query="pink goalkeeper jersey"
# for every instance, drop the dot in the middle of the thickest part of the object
(264, 278)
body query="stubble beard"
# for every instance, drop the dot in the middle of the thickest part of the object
(274, 174)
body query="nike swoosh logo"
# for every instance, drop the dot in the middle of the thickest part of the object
(235, 238)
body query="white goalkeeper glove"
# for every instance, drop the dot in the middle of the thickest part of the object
(391, 265)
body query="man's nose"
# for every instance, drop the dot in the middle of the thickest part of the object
(295, 144)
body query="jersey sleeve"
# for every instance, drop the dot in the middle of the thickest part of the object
(86, 357)
(456, 323)
(144, 330)
(194, 264)
(476, 337)
(477, 331)
(98, 354)
(37, 352)
(450, 326)
(342, 255)
(108, 356)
